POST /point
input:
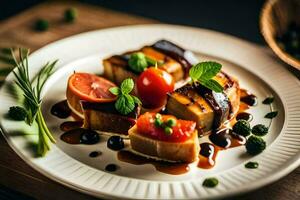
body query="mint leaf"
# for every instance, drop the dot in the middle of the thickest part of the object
(209, 69)
(271, 115)
(196, 72)
(268, 100)
(127, 86)
(203, 72)
(115, 90)
(213, 85)
(125, 105)
(137, 100)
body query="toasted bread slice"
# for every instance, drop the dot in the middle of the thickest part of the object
(169, 151)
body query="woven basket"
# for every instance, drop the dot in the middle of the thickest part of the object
(275, 17)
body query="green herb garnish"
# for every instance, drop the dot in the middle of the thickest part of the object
(32, 93)
(166, 126)
(125, 103)
(41, 25)
(251, 165)
(204, 72)
(138, 62)
(242, 127)
(17, 113)
(210, 182)
(268, 100)
(70, 15)
(260, 130)
(168, 130)
(271, 115)
(157, 121)
(255, 145)
(171, 122)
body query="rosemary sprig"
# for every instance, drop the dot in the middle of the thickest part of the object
(32, 93)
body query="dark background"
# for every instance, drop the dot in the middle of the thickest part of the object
(235, 17)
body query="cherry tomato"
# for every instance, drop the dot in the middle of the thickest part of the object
(153, 85)
(182, 130)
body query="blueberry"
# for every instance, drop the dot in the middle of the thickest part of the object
(89, 137)
(115, 143)
(111, 167)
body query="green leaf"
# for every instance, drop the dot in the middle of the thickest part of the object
(137, 100)
(213, 85)
(204, 72)
(125, 104)
(127, 86)
(271, 115)
(268, 100)
(151, 61)
(137, 62)
(196, 72)
(115, 90)
(209, 69)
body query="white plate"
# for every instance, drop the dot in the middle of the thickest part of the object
(71, 165)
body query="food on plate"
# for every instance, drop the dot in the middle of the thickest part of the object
(104, 117)
(242, 127)
(17, 113)
(163, 102)
(208, 108)
(168, 56)
(87, 87)
(255, 145)
(89, 96)
(153, 85)
(115, 143)
(260, 130)
(165, 137)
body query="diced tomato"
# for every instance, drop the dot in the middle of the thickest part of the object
(182, 131)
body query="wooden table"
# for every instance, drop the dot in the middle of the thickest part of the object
(15, 174)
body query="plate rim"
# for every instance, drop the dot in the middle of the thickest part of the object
(265, 181)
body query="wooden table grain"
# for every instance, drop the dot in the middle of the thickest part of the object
(15, 174)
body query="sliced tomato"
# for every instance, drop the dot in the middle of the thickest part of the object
(182, 131)
(91, 88)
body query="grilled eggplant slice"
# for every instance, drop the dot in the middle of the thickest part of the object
(209, 109)
(104, 117)
(173, 57)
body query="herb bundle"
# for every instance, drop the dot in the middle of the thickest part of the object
(32, 94)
